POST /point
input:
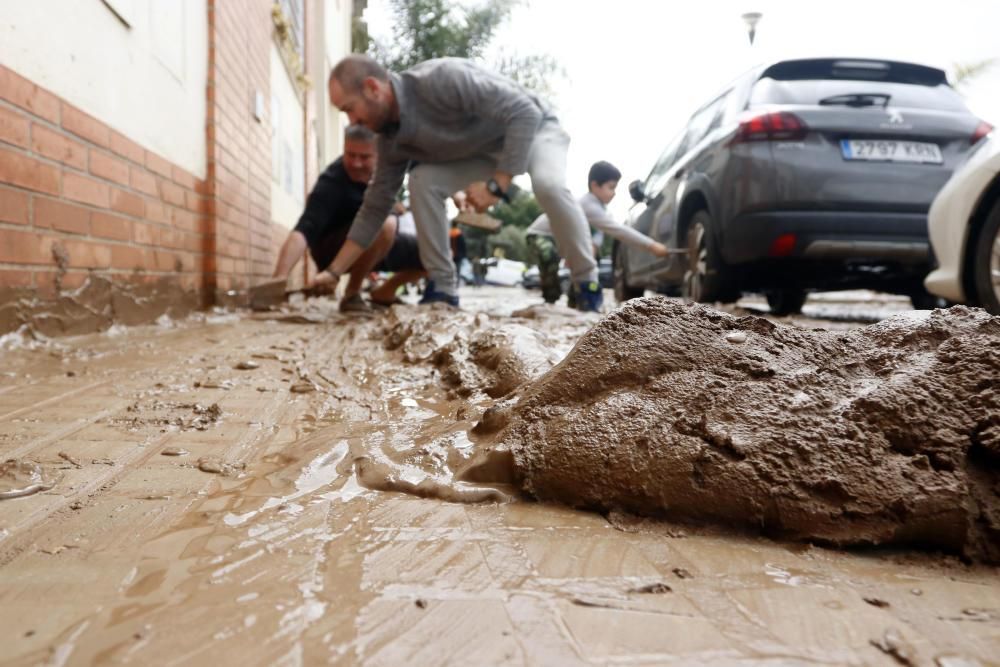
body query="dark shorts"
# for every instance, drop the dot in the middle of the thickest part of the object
(402, 256)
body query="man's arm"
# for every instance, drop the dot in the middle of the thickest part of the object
(599, 218)
(291, 252)
(341, 264)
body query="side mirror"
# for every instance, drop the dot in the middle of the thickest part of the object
(635, 191)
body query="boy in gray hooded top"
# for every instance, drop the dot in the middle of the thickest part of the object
(464, 127)
(602, 180)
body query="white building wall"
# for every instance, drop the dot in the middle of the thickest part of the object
(287, 155)
(139, 66)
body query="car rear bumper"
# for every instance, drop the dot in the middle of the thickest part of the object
(881, 237)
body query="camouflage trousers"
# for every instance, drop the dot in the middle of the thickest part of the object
(542, 252)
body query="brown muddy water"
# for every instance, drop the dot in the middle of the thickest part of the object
(302, 487)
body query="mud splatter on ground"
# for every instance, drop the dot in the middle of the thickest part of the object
(888, 434)
(23, 478)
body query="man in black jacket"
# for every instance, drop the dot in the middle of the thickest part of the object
(329, 213)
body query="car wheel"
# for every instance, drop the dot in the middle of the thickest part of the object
(705, 280)
(786, 301)
(623, 291)
(986, 263)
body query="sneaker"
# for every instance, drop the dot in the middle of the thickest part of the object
(431, 295)
(354, 304)
(589, 297)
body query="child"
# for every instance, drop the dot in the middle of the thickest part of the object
(601, 181)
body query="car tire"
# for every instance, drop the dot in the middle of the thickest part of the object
(786, 301)
(986, 262)
(705, 280)
(623, 290)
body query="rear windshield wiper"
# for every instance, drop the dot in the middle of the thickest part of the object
(857, 100)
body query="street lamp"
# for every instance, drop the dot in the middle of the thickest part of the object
(751, 19)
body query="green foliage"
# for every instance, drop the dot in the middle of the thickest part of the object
(964, 73)
(520, 212)
(512, 240)
(426, 29)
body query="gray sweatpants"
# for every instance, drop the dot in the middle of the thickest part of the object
(431, 184)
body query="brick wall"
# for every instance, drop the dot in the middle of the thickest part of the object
(243, 240)
(78, 198)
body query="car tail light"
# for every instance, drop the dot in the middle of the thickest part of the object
(783, 246)
(981, 131)
(773, 126)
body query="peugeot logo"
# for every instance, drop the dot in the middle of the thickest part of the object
(895, 117)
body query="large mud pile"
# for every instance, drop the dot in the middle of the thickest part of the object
(884, 435)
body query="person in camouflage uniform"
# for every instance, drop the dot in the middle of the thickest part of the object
(542, 252)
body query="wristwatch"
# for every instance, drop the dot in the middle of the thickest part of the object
(496, 190)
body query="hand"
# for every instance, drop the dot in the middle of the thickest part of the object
(325, 278)
(479, 197)
(659, 250)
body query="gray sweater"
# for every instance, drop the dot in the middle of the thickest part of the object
(449, 109)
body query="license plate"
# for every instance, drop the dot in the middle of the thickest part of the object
(888, 150)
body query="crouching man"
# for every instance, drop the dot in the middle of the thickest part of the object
(329, 213)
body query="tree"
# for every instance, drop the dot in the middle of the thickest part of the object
(425, 29)
(964, 73)
(520, 212)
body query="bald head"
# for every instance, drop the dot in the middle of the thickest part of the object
(360, 87)
(352, 71)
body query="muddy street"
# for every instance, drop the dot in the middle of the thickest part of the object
(305, 487)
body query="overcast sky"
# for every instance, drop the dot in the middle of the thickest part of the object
(636, 69)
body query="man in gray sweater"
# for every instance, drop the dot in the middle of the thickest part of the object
(457, 126)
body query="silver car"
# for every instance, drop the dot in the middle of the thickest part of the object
(802, 175)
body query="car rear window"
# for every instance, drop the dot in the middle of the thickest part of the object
(810, 81)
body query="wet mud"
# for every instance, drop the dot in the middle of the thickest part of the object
(366, 521)
(20, 478)
(95, 306)
(883, 435)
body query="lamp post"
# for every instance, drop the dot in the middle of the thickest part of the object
(751, 19)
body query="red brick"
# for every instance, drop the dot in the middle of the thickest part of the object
(13, 206)
(18, 90)
(17, 247)
(73, 279)
(184, 179)
(13, 127)
(127, 148)
(155, 163)
(156, 212)
(110, 226)
(167, 261)
(15, 278)
(184, 220)
(128, 257)
(127, 202)
(144, 234)
(143, 181)
(18, 169)
(58, 146)
(171, 193)
(108, 167)
(87, 255)
(85, 189)
(193, 202)
(63, 217)
(85, 126)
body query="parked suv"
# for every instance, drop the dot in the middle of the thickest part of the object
(802, 175)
